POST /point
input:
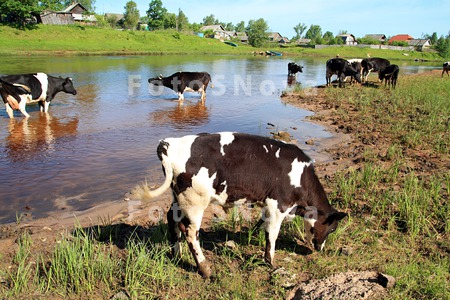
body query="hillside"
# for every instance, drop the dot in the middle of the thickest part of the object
(89, 40)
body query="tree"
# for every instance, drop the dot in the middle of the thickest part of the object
(19, 13)
(299, 29)
(182, 21)
(314, 33)
(240, 27)
(169, 21)
(131, 15)
(88, 4)
(156, 13)
(210, 20)
(54, 5)
(228, 26)
(257, 32)
(443, 46)
(328, 38)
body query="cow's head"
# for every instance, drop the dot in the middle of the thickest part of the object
(354, 68)
(68, 86)
(319, 225)
(156, 80)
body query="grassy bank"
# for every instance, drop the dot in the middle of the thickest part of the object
(394, 184)
(89, 40)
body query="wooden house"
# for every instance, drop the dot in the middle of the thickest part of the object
(420, 44)
(348, 39)
(218, 32)
(75, 12)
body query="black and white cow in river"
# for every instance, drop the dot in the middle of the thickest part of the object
(19, 90)
(341, 68)
(294, 68)
(390, 75)
(375, 64)
(181, 82)
(233, 168)
(445, 68)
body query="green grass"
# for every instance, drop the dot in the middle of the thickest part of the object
(91, 40)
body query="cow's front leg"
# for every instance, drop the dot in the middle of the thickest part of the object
(43, 106)
(273, 219)
(180, 96)
(192, 223)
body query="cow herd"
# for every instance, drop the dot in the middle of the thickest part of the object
(356, 69)
(226, 168)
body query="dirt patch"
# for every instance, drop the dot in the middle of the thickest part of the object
(348, 285)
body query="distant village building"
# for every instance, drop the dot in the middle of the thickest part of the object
(218, 32)
(348, 39)
(400, 38)
(381, 38)
(74, 13)
(420, 44)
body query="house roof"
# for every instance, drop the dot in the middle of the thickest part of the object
(72, 6)
(117, 17)
(216, 27)
(376, 36)
(419, 42)
(400, 38)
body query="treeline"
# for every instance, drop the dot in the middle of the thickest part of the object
(23, 14)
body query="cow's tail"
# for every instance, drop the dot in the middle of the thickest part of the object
(143, 191)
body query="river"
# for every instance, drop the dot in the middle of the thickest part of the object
(94, 147)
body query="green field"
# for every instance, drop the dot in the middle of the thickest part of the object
(90, 40)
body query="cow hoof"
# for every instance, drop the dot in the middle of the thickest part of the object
(204, 270)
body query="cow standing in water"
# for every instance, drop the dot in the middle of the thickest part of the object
(19, 90)
(233, 168)
(181, 82)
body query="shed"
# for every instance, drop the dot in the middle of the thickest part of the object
(56, 18)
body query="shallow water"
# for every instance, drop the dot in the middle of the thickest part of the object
(94, 147)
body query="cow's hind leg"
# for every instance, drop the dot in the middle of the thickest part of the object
(191, 226)
(22, 105)
(9, 111)
(173, 220)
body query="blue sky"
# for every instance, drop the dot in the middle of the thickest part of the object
(359, 17)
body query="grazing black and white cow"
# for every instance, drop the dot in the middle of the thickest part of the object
(341, 68)
(375, 64)
(231, 169)
(390, 75)
(19, 90)
(445, 68)
(294, 68)
(182, 82)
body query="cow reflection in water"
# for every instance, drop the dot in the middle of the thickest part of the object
(32, 137)
(182, 115)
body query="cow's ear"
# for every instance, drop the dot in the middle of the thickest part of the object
(335, 216)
